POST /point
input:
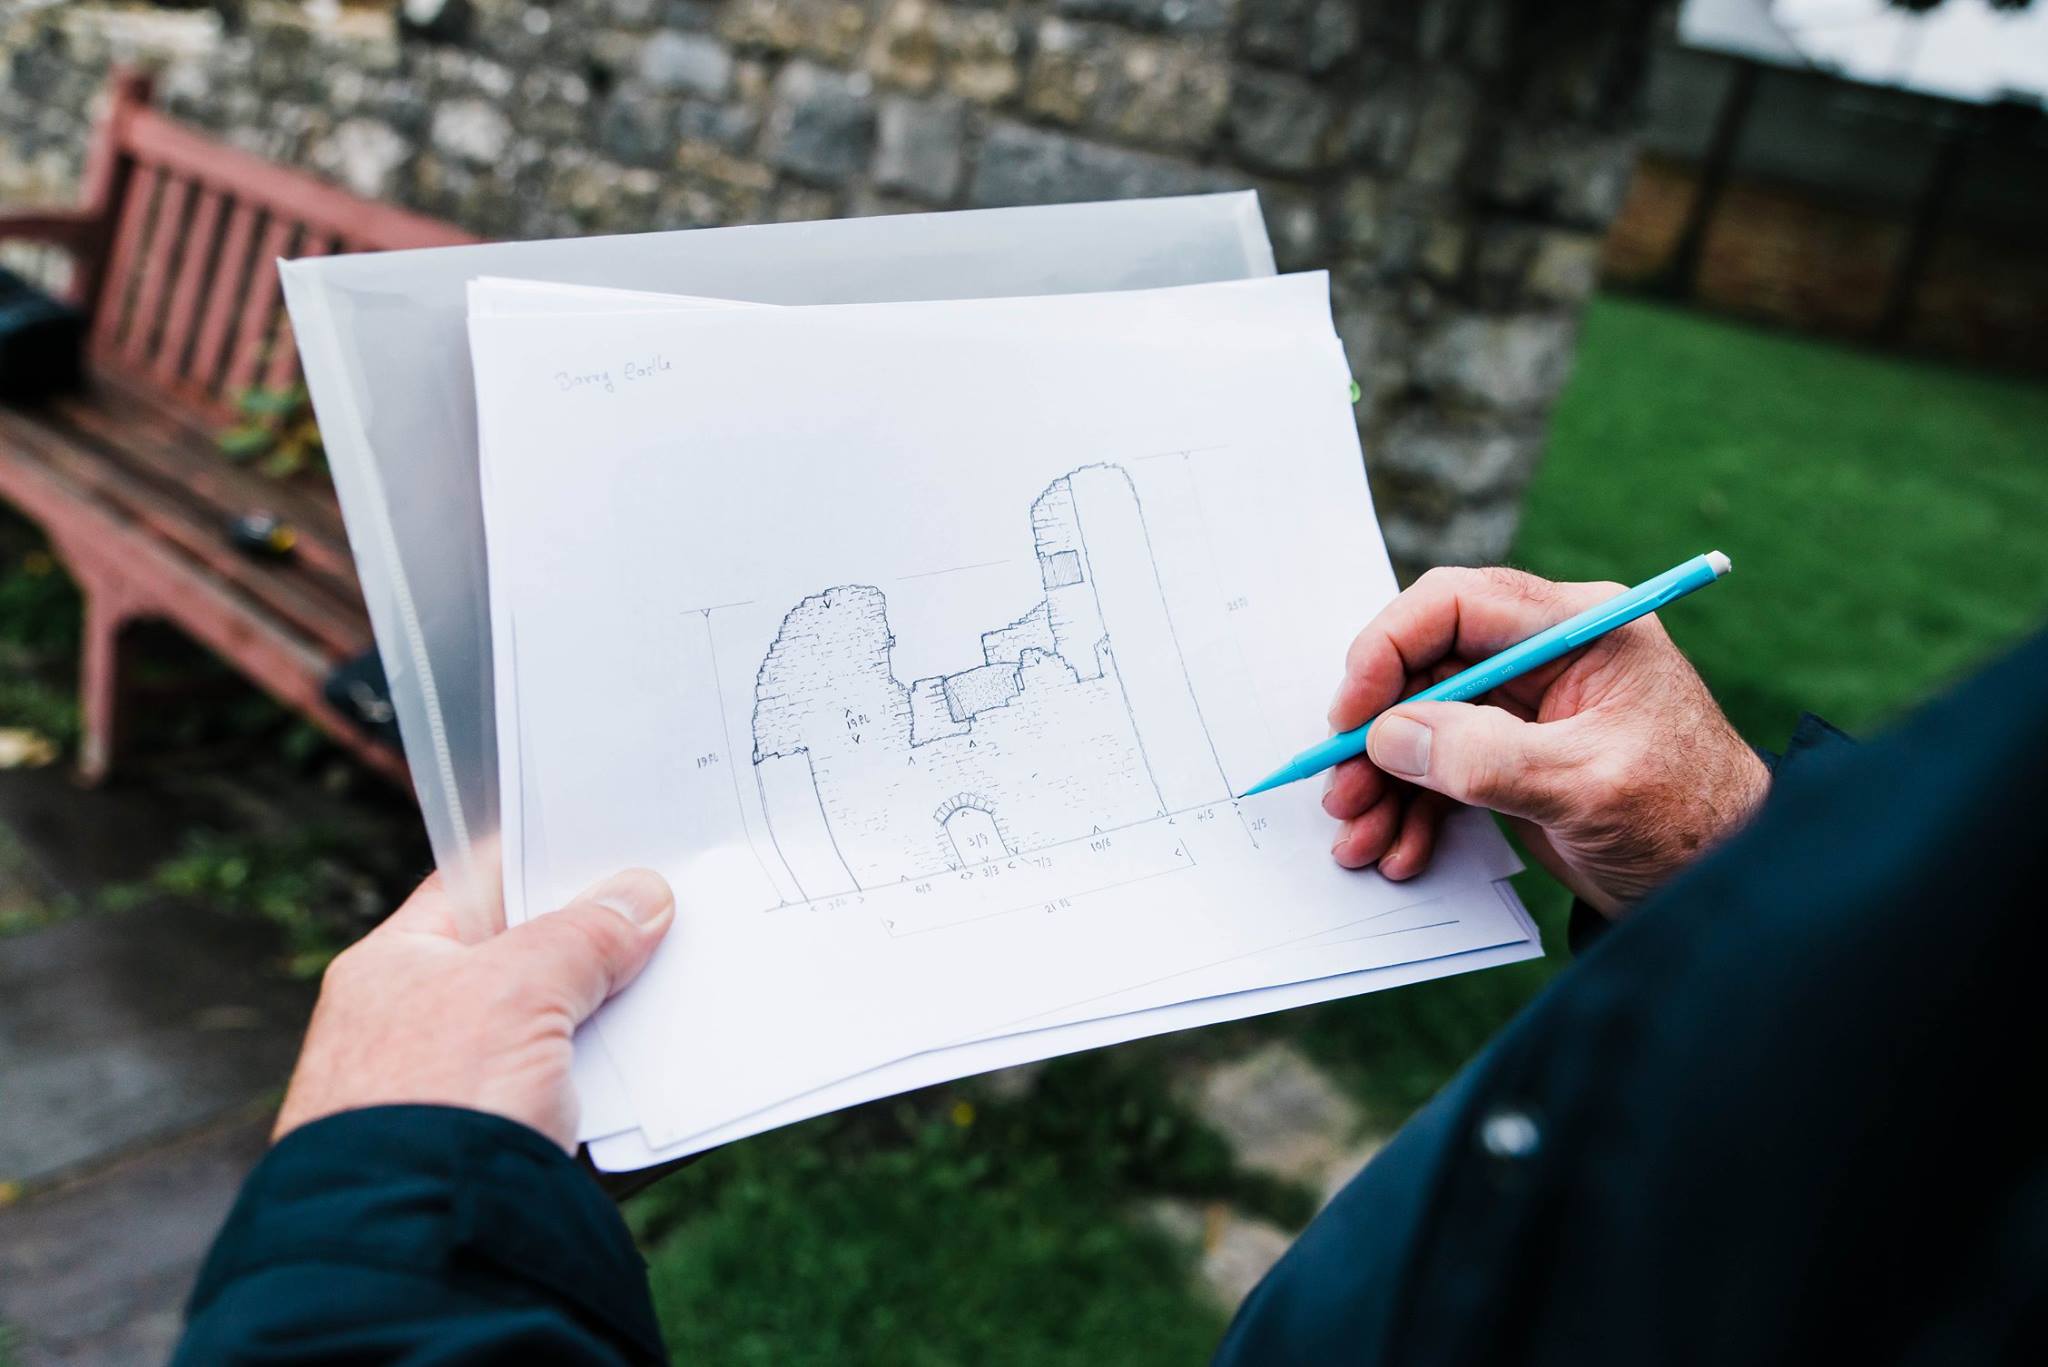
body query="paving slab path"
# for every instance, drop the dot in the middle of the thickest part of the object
(1283, 1117)
(94, 1272)
(139, 1054)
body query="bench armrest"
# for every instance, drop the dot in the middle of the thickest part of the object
(71, 228)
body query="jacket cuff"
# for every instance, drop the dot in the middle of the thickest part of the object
(445, 1193)
(1809, 734)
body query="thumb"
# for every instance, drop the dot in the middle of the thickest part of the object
(597, 944)
(1476, 754)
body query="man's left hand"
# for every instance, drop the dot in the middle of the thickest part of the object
(413, 1014)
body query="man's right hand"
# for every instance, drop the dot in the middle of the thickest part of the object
(1614, 763)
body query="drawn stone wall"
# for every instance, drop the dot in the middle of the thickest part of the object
(1041, 738)
(1452, 162)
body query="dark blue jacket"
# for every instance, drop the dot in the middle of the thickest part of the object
(1782, 1114)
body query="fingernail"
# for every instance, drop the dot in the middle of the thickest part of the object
(640, 895)
(1399, 745)
(1336, 701)
(1337, 847)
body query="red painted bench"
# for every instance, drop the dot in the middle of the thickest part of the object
(173, 254)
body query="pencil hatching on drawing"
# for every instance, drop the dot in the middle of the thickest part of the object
(1079, 717)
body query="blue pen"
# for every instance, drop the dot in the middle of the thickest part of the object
(1518, 660)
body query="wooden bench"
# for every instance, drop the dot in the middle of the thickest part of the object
(173, 257)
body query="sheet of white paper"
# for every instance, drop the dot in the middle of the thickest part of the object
(607, 1106)
(628, 1149)
(895, 443)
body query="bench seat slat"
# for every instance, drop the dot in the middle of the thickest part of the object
(337, 628)
(213, 611)
(127, 430)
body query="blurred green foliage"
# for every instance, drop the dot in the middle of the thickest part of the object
(25, 903)
(306, 882)
(39, 606)
(27, 701)
(39, 633)
(275, 431)
(949, 1226)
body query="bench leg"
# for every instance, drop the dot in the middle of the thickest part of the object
(99, 686)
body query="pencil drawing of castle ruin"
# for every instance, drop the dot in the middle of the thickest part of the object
(1078, 717)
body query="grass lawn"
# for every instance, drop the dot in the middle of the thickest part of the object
(1886, 520)
(938, 1229)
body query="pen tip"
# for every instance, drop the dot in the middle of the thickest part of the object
(1721, 563)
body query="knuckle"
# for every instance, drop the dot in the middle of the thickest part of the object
(1474, 762)
(597, 934)
(1482, 780)
(1495, 773)
(1442, 588)
(522, 996)
(1508, 579)
(1362, 648)
(1609, 782)
(1519, 585)
(1459, 582)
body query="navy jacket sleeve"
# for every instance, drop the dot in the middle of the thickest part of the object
(1780, 1114)
(417, 1235)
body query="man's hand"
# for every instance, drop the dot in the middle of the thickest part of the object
(1614, 764)
(411, 1013)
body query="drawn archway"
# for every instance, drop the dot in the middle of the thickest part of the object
(970, 826)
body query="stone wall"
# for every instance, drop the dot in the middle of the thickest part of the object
(1453, 162)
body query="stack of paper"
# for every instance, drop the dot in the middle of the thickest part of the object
(921, 645)
(924, 647)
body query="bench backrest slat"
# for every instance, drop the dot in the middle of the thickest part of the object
(229, 264)
(111, 315)
(283, 366)
(187, 298)
(154, 277)
(254, 336)
(181, 318)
